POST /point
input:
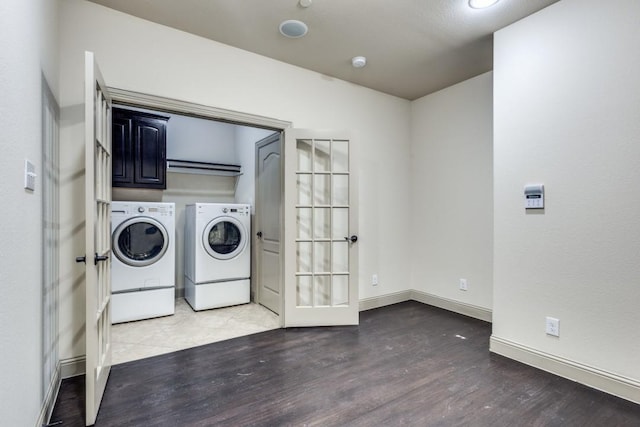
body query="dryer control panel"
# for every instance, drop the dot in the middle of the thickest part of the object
(140, 208)
(237, 210)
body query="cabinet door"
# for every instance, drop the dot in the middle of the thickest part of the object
(122, 149)
(150, 152)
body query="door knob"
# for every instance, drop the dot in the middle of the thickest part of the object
(81, 259)
(99, 258)
(351, 239)
(259, 234)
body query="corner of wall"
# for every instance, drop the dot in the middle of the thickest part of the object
(452, 193)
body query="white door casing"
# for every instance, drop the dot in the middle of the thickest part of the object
(97, 236)
(320, 260)
(268, 220)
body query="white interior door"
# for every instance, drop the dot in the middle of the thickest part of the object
(320, 279)
(268, 217)
(98, 236)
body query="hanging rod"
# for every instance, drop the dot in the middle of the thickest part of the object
(206, 168)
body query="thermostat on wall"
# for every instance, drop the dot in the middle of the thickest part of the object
(534, 196)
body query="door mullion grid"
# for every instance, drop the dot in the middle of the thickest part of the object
(331, 222)
(103, 196)
(313, 223)
(337, 239)
(328, 238)
(309, 239)
(313, 239)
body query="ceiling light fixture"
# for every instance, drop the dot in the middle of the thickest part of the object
(358, 61)
(481, 4)
(304, 3)
(293, 28)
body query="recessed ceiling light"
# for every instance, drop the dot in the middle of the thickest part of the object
(293, 28)
(358, 61)
(481, 4)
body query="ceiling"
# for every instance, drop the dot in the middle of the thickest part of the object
(413, 47)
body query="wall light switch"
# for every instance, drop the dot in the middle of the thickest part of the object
(464, 285)
(29, 175)
(374, 280)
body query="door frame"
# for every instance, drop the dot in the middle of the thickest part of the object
(158, 103)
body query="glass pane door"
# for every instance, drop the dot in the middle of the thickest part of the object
(322, 223)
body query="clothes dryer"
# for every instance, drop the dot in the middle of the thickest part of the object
(143, 266)
(217, 254)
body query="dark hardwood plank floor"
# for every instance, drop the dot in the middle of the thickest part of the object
(406, 364)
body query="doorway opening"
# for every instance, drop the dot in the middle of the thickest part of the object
(206, 135)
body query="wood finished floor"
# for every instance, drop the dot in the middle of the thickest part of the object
(406, 364)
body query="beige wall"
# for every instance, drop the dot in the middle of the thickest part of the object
(153, 59)
(452, 195)
(567, 114)
(29, 45)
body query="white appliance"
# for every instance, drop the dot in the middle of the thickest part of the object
(143, 265)
(217, 254)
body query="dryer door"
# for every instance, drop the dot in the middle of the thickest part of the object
(224, 238)
(140, 241)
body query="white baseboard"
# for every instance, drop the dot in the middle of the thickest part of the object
(429, 299)
(72, 367)
(50, 398)
(608, 382)
(456, 306)
(384, 300)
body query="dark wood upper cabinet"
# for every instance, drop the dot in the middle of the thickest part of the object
(139, 149)
(121, 152)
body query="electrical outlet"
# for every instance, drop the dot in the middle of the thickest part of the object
(464, 285)
(553, 326)
(374, 280)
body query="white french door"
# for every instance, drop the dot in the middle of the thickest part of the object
(98, 236)
(320, 281)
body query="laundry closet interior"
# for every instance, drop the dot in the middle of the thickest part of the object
(182, 226)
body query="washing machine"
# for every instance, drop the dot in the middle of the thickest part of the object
(143, 265)
(217, 252)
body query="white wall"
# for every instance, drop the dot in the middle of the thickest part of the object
(28, 30)
(245, 149)
(189, 138)
(452, 188)
(181, 66)
(566, 114)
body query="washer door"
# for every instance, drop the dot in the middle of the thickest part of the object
(224, 238)
(140, 241)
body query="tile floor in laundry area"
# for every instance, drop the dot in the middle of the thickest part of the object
(187, 328)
